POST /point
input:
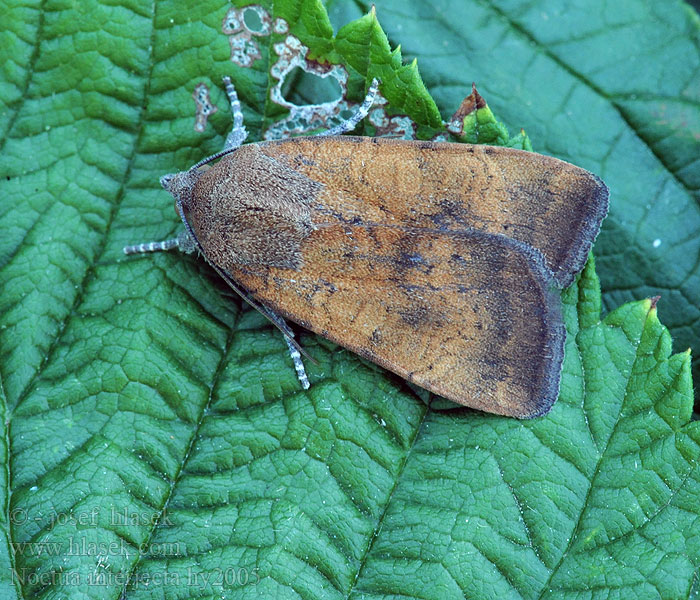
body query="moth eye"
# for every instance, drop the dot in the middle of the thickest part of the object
(166, 180)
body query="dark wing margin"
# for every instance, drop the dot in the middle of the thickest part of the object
(553, 352)
(596, 195)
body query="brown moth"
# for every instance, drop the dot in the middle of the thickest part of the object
(440, 262)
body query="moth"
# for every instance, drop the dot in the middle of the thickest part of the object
(441, 262)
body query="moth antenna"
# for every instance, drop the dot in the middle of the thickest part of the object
(275, 319)
(213, 157)
(238, 133)
(294, 348)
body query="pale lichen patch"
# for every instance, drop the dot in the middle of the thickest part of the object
(292, 54)
(397, 126)
(242, 25)
(280, 26)
(204, 107)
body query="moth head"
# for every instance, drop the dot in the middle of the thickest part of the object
(181, 186)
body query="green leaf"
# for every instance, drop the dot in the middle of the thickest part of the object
(156, 441)
(611, 87)
(475, 123)
(487, 507)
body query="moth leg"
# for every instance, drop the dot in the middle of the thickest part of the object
(293, 347)
(360, 113)
(238, 133)
(298, 363)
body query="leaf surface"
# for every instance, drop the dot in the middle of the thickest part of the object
(156, 441)
(611, 87)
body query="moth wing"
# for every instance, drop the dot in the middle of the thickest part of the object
(544, 202)
(396, 252)
(470, 316)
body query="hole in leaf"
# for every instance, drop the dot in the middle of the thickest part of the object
(301, 88)
(252, 21)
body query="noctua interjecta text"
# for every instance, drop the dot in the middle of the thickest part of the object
(438, 261)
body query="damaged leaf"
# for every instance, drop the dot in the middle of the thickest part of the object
(474, 123)
(156, 440)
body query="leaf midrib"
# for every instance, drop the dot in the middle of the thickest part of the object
(375, 534)
(90, 273)
(216, 379)
(31, 67)
(601, 459)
